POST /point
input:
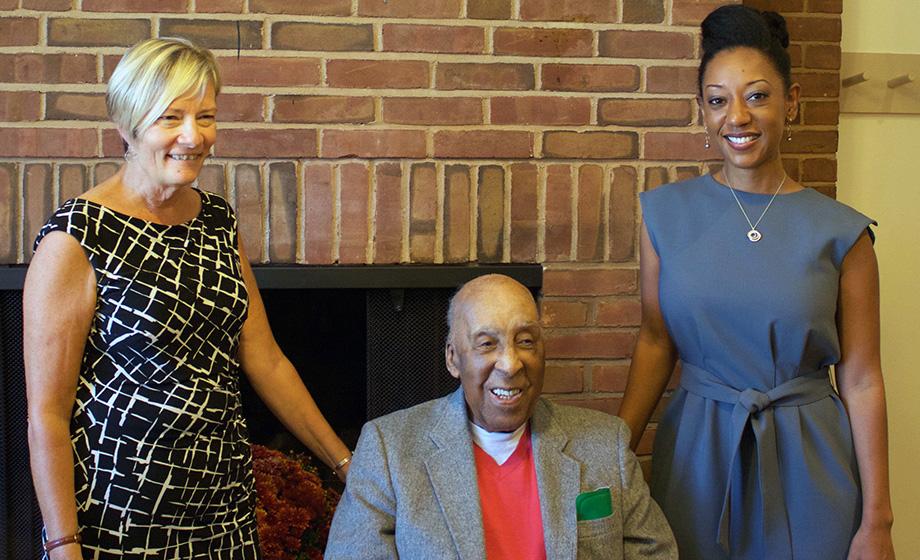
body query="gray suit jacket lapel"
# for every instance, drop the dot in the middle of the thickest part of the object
(558, 478)
(452, 470)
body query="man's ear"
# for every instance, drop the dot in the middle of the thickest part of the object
(450, 359)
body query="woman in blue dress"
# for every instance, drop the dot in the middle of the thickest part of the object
(758, 286)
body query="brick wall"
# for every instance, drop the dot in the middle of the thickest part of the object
(416, 131)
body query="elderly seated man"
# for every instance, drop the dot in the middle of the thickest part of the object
(494, 471)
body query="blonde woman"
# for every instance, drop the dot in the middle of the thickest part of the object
(140, 309)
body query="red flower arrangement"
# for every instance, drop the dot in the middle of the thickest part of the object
(293, 507)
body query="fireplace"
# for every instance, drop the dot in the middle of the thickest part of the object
(366, 340)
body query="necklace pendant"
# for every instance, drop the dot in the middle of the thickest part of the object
(754, 236)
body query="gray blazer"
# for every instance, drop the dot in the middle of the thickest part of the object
(412, 490)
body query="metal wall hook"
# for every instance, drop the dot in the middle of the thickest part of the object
(854, 79)
(900, 80)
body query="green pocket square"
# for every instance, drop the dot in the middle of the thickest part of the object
(593, 505)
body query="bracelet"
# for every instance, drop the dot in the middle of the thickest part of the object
(342, 463)
(69, 539)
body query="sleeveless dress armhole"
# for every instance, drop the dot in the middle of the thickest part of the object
(852, 227)
(650, 216)
(72, 218)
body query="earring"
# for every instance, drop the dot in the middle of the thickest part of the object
(789, 130)
(130, 154)
(706, 142)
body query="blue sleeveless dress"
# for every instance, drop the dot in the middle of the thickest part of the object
(754, 454)
(162, 465)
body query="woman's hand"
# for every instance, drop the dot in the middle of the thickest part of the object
(66, 552)
(872, 543)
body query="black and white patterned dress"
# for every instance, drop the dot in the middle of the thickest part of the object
(162, 461)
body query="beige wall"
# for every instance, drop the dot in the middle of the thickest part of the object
(877, 175)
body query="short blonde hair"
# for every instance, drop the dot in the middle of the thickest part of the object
(153, 74)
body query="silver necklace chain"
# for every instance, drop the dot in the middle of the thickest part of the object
(754, 234)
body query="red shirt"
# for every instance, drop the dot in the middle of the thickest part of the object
(510, 504)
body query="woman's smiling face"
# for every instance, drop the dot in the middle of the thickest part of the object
(746, 106)
(171, 152)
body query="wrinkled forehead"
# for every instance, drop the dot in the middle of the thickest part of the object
(504, 312)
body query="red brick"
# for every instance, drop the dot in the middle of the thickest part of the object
(456, 241)
(692, 12)
(104, 170)
(820, 112)
(589, 344)
(779, 6)
(18, 31)
(423, 212)
(237, 107)
(822, 56)
(491, 208)
(805, 28)
(300, 36)
(429, 9)
(397, 74)
(39, 5)
(432, 110)
(73, 179)
(603, 11)
(645, 44)
(80, 32)
(655, 177)
(609, 378)
(488, 144)
(282, 212)
(643, 11)
(796, 55)
(590, 213)
(563, 379)
(221, 7)
(250, 206)
(622, 214)
(590, 77)
(812, 142)
(39, 196)
(388, 218)
(318, 207)
(564, 313)
(672, 79)
(531, 41)
(20, 106)
(311, 8)
(47, 68)
(433, 38)
(142, 6)
(677, 146)
(47, 142)
(215, 34)
(619, 312)
(112, 143)
(685, 172)
(605, 405)
(75, 106)
(816, 84)
(266, 143)
(468, 75)
(323, 109)
(213, 179)
(589, 282)
(644, 112)
(558, 237)
(525, 226)
(354, 180)
(541, 110)
(590, 145)
(488, 9)
(374, 143)
(280, 72)
(827, 6)
(9, 212)
(819, 169)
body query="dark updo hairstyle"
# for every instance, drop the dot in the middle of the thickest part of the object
(735, 26)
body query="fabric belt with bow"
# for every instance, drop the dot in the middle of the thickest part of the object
(755, 408)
